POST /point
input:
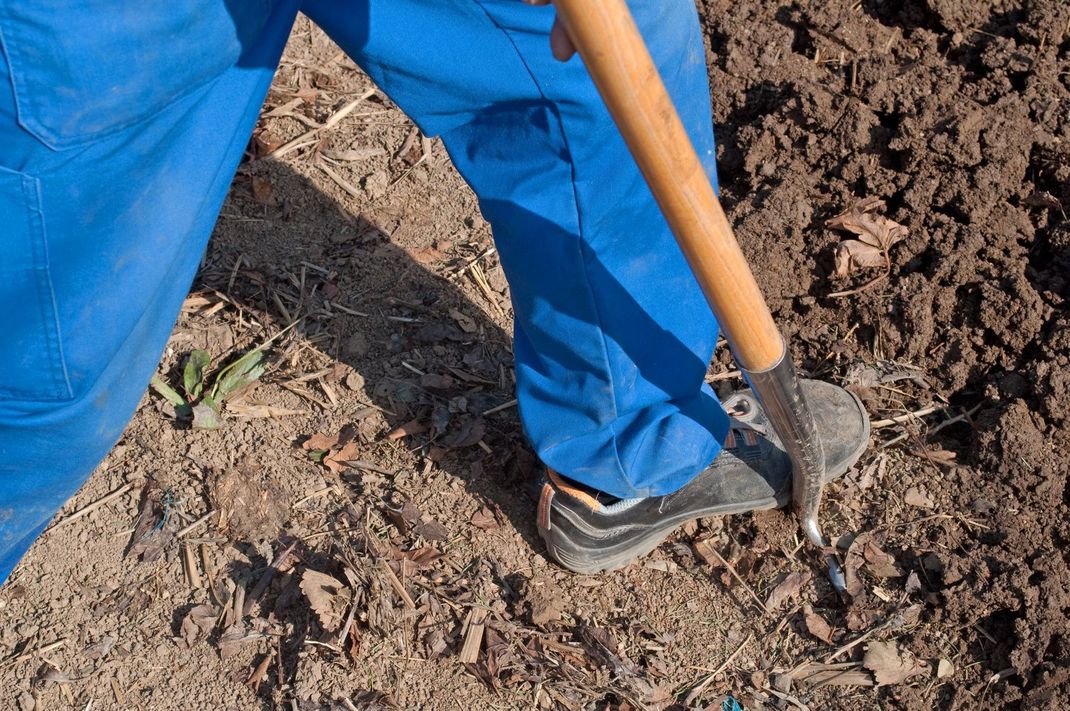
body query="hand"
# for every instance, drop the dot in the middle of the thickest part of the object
(560, 44)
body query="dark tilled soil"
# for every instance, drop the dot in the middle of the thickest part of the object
(957, 114)
(954, 526)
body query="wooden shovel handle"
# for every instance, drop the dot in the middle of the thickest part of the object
(608, 40)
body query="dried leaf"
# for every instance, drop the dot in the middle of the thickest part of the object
(319, 442)
(262, 191)
(432, 530)
(881, 564)
(944, 669)
(434, 381)
(198, 621)
(54, 675)
(374, 701)
(100, 649)
(259, 674)
(327, 596)
(917, 497)
(233, 638)
(265, 142)
(1041, 198)
(469, 433)
(875, 230)
(853, 256)
(865, 552)
(937, 456)
(424, 557)
(662, 565)
(543, 604)
(890, 664)
(153, 531)
(704, 549)
(466, 323)
(440, 417)
(339, 461)
(409, 428)
(909, 616)
(882, 372)
(602, 646)
(789, 587)
(435, 643)
(817, 625)
(354, 381)
(404, 516)
(484, 519)
(657, 697)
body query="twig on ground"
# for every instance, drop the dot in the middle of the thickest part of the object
(303, 393)
(728, 375)
(731, 569)
(861, 638)
(192, 573)
(262, 584)
(259, 674)
(89, 508)
(32, 653)
(398, 587)
(308, 137)
(315, 494)
(413, 167)
(194, 526)
(966, 416)
(787, 698)
(339, 180)
(348, 623)
(499, 408)
(346, 309)
(478, 276)
(900, 419)
(368, 466)
(473, 639)
(865, 287)
(464, 267)
(697, 690)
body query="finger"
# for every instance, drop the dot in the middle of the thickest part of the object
(560, 43)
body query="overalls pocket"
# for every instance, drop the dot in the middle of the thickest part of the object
(83, 69)
(31, 354)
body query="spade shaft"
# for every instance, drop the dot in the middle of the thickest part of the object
(606, 37)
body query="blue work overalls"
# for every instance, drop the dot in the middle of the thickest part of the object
(122, 124)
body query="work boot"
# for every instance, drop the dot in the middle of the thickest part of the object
(588, 531)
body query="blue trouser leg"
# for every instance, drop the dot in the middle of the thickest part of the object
(119, 135)
(612, 334)
(116, 149)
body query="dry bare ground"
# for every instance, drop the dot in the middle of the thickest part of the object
(357, 531)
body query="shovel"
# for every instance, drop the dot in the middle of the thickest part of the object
(606, 37)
